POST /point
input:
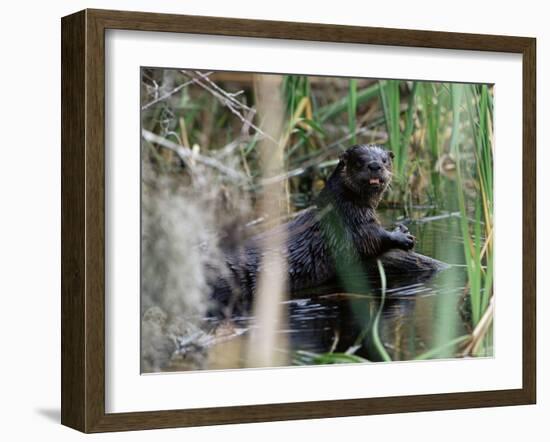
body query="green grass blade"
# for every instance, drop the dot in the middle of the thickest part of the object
(352, 110)
(375, 326)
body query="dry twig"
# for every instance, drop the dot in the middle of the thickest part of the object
(186, 154)
(172, 92)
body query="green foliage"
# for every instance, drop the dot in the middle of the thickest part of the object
(352, 110)
(476, 232)
(440, 133)
(302, 357)
(375, 326)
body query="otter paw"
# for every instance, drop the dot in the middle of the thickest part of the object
(404, 240)
(401, 228)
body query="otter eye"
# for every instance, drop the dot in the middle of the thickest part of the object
(358, 163)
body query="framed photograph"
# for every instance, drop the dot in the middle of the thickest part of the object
(267, 220)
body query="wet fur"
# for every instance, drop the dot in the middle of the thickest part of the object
(342, 228)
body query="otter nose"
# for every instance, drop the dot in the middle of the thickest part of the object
(375, 166)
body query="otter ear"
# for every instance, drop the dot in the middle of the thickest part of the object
(391, 154)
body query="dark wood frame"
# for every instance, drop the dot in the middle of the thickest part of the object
(83, 220)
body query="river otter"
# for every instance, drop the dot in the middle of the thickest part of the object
(340, 230)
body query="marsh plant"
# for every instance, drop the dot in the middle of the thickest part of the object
(205, 139)
(181, 221)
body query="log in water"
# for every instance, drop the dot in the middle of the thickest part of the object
(400, 267)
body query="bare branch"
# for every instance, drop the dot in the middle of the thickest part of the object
(230, 147)
(230, 102)
(172, 92)
(282, 177)
(230, 96)
(187, 154)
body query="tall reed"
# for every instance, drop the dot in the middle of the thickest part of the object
(477, 233)
(398, 139)
(441, 135)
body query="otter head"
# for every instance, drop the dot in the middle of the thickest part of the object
(366, 171)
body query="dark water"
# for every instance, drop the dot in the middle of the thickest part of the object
(416, 317)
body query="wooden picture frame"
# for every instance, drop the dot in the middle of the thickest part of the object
(83, 220)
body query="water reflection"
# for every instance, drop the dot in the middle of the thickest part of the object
(420, 312)
(410, 315)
